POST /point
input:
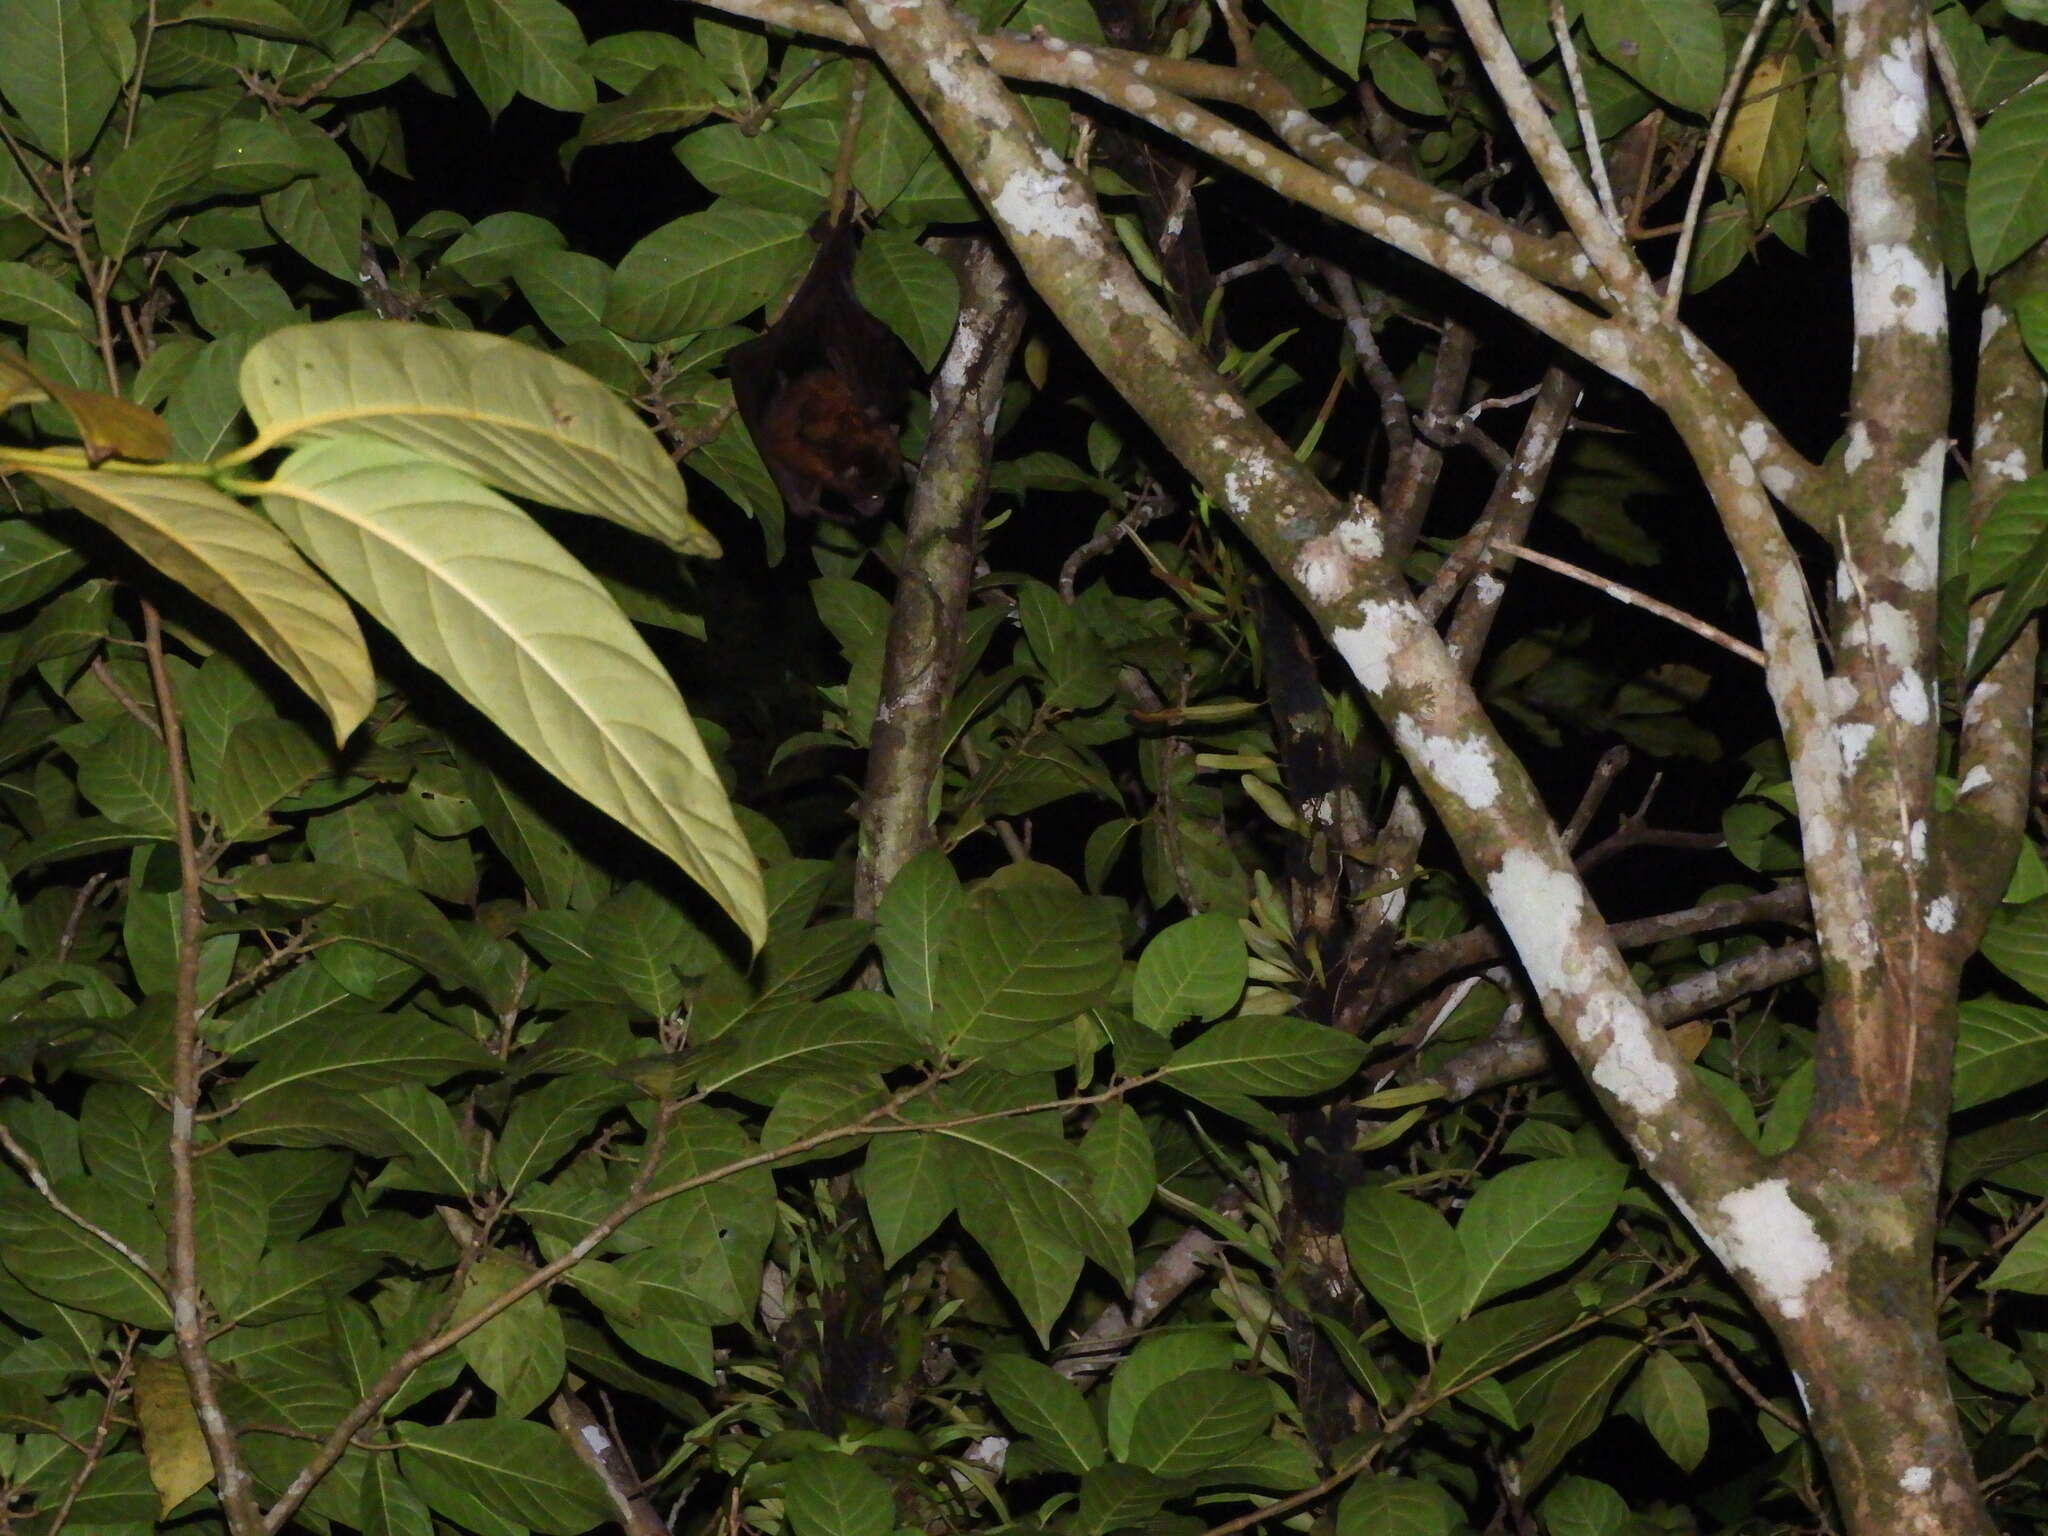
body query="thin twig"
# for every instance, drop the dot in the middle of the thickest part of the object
(1589, 134)
(188, 1301)
(1635, 599)
(1724, 109)
(28, 1165)
(1733, 1372)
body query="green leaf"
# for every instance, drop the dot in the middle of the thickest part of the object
(830, 1494)
(2026, 588)
(62, 66)
(2025, 1265)
(30, 296)
(1397, 1506)
(908, 1183)
(128, 779)
(58, 1260)
(2000, 1048)
(2006, 206)
(712, 1237)
(1489, 1340)
(1408, 1259)
(668, 98)
(1158, 1364)
(1027, 1167)
(911, 290)
(264, 761)
(2015, 523)
(530, 47)
(706, 269)
(1208, 1417)
(511, 416)
(2016, 941)
(388, 1505)
(548, 1120)
(1264, 1056)
(1674, 47)
(912, 922)
(1119, 1155)
(519, 1353)
(853, 1033)
(1579, 1506)
(762, 170)
(1194, 969)
(147, 179)
(491, 249)
(1115, 1497)
(1531, 1220)
(1079, 674)
(33, 563)
(360, 1054)
(1046, 1406)
(1674, 1408)
(1575, 1403)
(226, 556)
(1019, 960)
(482, 1472)
(1403, 77)
(1337, 32)
(487, 601)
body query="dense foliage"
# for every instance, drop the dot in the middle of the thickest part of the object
(395, 1144)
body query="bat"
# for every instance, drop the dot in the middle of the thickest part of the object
(823, 389)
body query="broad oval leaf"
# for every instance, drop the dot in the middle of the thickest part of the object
(482, 1472)
(518, 1354)
(1020, 960)
(482, 596)
(1673, 47)
(706, 269)
(832, 1494)
(2006, 207)
(1531, 1220)
(1046, 1406)
(513, 417)
(1264, 1057)
(1207, 1418)
(1397, 1506)
(1408, 1259)
(223, 554)
(2014, 524)
(1576, 1403)
(1194, 969)
(2000, 1048)
(1675, 1408)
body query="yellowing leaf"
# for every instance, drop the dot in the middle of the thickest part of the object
(482, 596)
(113, 428)
(171, 1441)
(509, 415)
(1766, 137)
(227, 556)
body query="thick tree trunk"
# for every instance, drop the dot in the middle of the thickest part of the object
(1874, 1380)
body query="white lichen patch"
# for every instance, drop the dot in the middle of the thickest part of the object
(1463, 765)
(1855, 740)
(1487, 587)
(1542, 907)
(1185, 122)
(1892, 286)
(1766, 1235)
(1502, 247)
(1141, 98)
(1885, 108)
(1756, 438)
(1977, 778)
(1916, 1479)
(1354, 170)
(1360, 535)
(1941, 915)
(1630, 1068)
(1893, 631)
(1031, 203)
(1368, 646)
(1779, 480)
(1916, 842)
(1916, 526)
(1908, 699)
(1856, 453)
(1991, 318)
(1324, 570)
(2008, 466)
(1740, 470)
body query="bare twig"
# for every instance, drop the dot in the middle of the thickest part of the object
(1589, 134)
(1635, 599)
(1951, 84)
(188, 1301)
